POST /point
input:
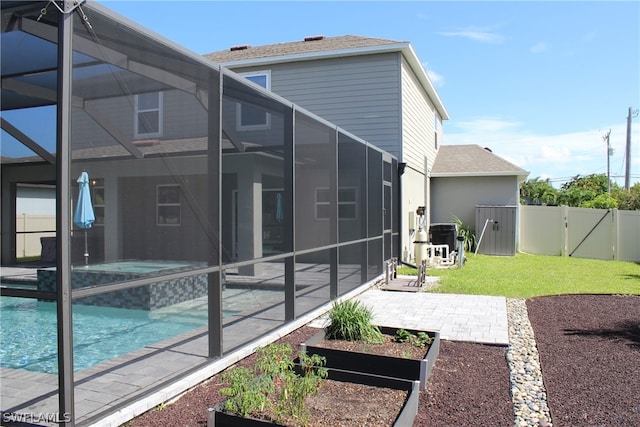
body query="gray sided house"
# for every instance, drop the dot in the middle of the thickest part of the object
(374, 88)
(470, 182)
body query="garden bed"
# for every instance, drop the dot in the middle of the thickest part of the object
(393, 359)
(345, 399)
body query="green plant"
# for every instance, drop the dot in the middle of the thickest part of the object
(406, 270)
(351, 321)
(294, 389)
(468, 234)
(421, 339)
(273, 384)
(245, 393)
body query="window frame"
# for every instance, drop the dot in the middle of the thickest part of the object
(98, 208)
(137, 111)
(171, 204)
(267, 122)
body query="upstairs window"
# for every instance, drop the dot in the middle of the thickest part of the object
(250, 117)
(148, 115)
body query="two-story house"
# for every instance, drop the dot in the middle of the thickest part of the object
(379, 90)
(375, 88)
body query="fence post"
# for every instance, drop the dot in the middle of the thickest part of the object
(615, 224)
(564, 216)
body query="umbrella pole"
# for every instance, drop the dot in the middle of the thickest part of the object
(86, 248)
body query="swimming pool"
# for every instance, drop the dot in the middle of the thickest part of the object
(28, 332)
(28, 327)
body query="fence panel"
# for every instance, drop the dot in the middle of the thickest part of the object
(29, 230)
(590, 233)
(580, 232)
(628, 236)
(541, 229)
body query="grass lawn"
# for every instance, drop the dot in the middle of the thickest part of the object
(526, 276)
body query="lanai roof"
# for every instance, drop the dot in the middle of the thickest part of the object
(472, 160)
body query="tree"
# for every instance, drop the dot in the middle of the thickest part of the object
(538, 192)
(582, 189)
(590, 191)
(627, 199)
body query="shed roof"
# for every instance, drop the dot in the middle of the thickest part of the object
(472, 160)
(321, 47)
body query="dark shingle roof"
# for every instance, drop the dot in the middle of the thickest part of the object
(472, 160)
(318, 44)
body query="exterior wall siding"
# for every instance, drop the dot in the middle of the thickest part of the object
(418, 131)
(459, 196)
(360, 94)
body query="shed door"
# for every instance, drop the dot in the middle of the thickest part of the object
(499, 225)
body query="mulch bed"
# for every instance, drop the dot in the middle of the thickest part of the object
(589, 349)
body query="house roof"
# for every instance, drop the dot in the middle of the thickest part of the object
(472, 160)
(321, 47)
(309, 45)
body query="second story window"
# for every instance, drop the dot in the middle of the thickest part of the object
(250, 117)
(148, 115)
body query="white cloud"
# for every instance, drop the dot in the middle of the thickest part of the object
(558, 156)
(436, 79)
(539, 48)
(476, 34)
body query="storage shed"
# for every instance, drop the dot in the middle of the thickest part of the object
(496, 230)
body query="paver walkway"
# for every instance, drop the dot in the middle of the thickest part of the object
(475, 318)
(472, 318)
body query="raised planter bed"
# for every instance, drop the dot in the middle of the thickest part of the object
(369, 363)
(405, 417)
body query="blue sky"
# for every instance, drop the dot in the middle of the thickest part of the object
(539, 83)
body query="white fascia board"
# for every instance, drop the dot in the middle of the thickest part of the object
(520, 175)
(422, 75)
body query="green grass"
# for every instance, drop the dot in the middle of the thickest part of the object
(526, 276)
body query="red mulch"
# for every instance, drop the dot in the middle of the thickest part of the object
(589, 349)
(590, 353)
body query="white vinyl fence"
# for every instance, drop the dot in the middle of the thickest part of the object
(29, 230)
(608, 234)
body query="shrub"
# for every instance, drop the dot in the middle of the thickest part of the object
(351, 321)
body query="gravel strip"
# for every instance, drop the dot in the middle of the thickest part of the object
(527, 388)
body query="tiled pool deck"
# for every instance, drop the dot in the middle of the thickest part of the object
(120, 383)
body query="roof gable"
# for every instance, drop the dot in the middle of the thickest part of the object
(472, 160)
(320, 47)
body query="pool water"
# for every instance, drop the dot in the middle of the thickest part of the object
(28, 332)
(133, 266)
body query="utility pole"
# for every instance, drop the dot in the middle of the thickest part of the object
(605, 138)
(627, 171)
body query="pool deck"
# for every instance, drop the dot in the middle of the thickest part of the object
(122, 384)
